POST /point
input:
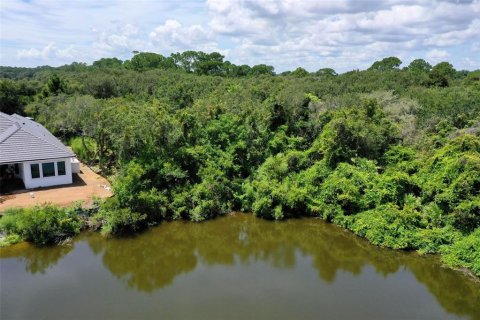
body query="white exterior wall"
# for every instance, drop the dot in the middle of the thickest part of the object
(31, 183)
(75, 165)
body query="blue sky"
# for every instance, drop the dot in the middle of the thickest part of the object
(341, 34)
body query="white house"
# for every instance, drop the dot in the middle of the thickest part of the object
(31, 153)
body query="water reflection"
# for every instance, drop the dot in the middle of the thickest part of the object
(37, 259)
(154, 259)
(149, 261)
(456, 293)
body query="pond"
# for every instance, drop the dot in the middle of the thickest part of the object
(236, 267)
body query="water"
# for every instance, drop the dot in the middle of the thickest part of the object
(237, 267)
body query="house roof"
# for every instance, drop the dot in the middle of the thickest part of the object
(22, 139)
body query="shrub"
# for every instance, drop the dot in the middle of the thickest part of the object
(401, 158)
(209, 198)
(466, 216)
(432, 240)
(356, 132)
(464, 253)
(279, 200)
(392, 187)
(84, 148)
(451, 179)
(9, 240)
(343, 191)
(41, 225)
(117, 220)
(133, 191)
(277, 192)
(388, 226)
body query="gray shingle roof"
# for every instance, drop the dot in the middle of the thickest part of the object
(22, 139)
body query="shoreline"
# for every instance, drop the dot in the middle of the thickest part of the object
(93, 226)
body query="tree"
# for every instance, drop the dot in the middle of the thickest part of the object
(211, 64)
(108, 63)
(262, 69)
(419, 65)
(186, 60)
(148, 60)
(202, 63)
(10, 97)
(442, 73)
(102, 87)
(386, 64)
(356, 132)
(473, 78)
(326, 72)
(75, 66)
(241, 71)
(55, 85)
(299, 72)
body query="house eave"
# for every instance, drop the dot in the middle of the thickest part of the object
(33, 160)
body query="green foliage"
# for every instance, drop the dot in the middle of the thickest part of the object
(148, 60)
(356, 132)
(390, 153)
(41, 225)
(392, 187)
(9, 240)
(473, 79)
(326, 72)
(401, 158)
(208, 198)
(54, 86)
(442, 74)
(464, 253)
(419, 65)
(107, 63)
(276, 193)
(261, 69)
(83, 147)
(299, 72)
(451, 179)
(388, 226)
(131, 190)
(14, 95)
(342, 192)
(118, 221)
(386, 64)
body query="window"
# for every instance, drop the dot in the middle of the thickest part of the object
(61, 168)
(35, 170)
(48, 169)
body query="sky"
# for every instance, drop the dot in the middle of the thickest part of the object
(339, 34)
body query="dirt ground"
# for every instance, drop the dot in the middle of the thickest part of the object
(86, 185)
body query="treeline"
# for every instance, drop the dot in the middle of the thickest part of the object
(196, 62)
(149, 74)
(391, 153)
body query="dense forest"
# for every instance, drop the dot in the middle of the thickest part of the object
(391, 153)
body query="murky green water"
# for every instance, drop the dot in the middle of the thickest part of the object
(236, 267)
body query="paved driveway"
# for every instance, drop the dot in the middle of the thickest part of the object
(86, 185)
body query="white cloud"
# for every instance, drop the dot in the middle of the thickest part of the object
(50, 51)
(456, 36)
(120, 38)
(355, 30)
(173, 36)
(436, 55)
(345, 34)
(469, 63)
